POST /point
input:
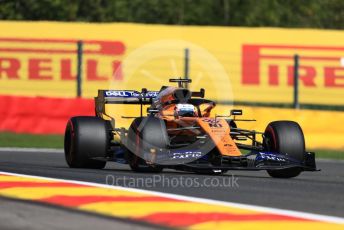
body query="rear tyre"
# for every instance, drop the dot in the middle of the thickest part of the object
(86, 138)
(285, 137)
(144, 135)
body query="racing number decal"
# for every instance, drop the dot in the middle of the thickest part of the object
(213, 123)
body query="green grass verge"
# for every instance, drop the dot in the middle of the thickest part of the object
(30, 141)
(56, 141)
(329, 154)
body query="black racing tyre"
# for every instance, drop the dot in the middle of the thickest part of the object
(86, 138)
(145, 133)
(285, 137)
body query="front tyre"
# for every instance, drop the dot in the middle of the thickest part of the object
(86, 138)
(285, 137)
(145, 133)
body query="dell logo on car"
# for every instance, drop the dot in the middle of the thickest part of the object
(114, 93)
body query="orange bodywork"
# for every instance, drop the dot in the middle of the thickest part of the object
(217, 129)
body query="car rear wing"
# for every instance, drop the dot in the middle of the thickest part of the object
(126, 96)
(123, 97)
(133, 97)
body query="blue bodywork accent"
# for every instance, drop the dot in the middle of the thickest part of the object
(172, 154)
(271, 158)
(129, 94)
(119, 155)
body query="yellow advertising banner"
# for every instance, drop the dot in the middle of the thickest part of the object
(230, 63)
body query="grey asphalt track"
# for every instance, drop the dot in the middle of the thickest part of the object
(316, 192)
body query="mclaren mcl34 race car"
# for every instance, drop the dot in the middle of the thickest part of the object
(178, 132)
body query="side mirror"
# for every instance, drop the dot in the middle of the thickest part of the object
(236, 112)
(200, 94)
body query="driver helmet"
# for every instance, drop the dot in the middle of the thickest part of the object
(185, 110)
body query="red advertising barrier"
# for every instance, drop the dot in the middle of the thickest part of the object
(43, 115)
(40, 115)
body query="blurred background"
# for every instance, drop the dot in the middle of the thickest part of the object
(277, 60)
